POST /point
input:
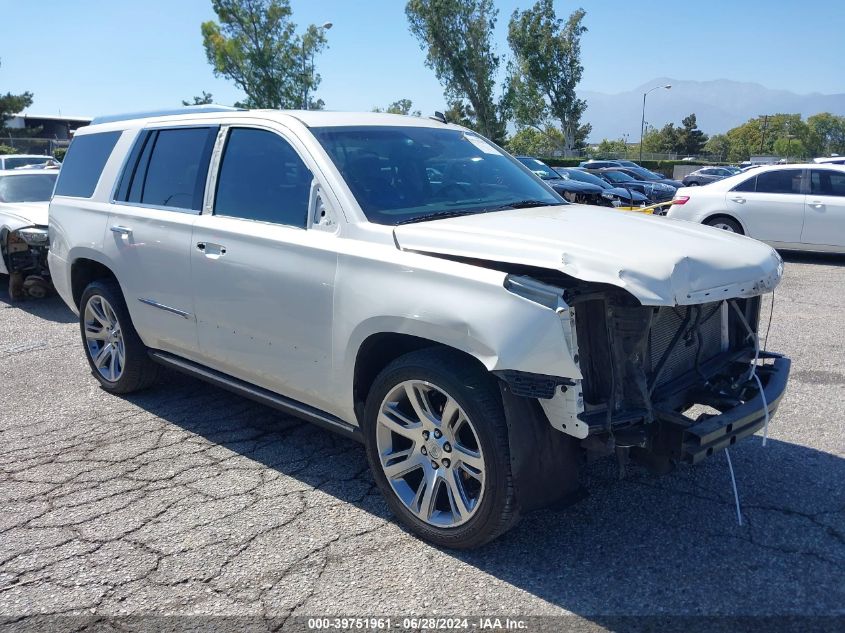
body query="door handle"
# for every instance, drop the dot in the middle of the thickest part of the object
(121, 230)
(738, 199)
(817, 204)
(212, 251)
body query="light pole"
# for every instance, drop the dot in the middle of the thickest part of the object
(642, 123)
(307, 78)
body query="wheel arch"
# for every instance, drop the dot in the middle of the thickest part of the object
(83, 271)
(379, 349)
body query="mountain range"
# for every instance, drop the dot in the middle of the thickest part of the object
(719, 105)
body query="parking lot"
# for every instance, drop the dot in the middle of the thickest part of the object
(185, 499)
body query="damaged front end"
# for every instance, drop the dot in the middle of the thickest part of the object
(25, 256)
(662, 384)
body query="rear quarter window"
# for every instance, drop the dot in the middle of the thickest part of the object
(84, 164)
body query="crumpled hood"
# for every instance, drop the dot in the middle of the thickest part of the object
(28, 213)
(658, 260)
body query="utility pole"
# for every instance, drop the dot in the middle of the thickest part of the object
(763, 135)
(308, 77)
(642, 122)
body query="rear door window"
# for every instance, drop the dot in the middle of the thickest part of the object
(262, 178)
(825, 182)
(779, 181)
(168, 168)
(84, 164)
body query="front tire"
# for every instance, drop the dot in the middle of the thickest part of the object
(116, 354)
(437, 443)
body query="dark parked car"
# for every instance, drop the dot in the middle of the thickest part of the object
(646, 175)
(600, 164)
(655, 191)
(611, 195)
(706, 175)
(571, 190)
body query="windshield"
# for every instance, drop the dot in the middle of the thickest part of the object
(644, 174)
(618, 176)
(407, 174)
(24, 161)
(27, 188)
(539, 167)
(583, 176)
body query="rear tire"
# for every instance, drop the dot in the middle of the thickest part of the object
(725, 223)
(116, 354)
(451, 439)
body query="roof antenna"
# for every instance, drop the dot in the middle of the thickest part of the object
(439, 116)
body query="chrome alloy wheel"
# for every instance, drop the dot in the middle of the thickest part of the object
(724, 226)
(104, 338)
(430, 453)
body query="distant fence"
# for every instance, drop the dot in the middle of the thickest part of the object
(25, 145)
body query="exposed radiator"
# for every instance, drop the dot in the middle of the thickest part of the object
(682, 359)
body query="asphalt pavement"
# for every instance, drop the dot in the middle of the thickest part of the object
(187, 500)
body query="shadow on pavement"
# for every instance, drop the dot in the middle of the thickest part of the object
(51, 308)
(643, 545)
(825, 259)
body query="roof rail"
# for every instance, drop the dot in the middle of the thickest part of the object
(198, 109)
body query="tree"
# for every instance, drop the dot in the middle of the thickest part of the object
(13, 104)
(718, 145)
(255, 46)
(460, 113)
(666, 140)
(546, 70)
(826, 134)
(205, 99)
(611, 148)
(402, 106)
(457, 36)
(757, 136)
(790, 148)
(533, 142)
(690, 140)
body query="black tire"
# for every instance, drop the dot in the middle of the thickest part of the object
(139, 371)
(725, 223)
(477, 393)
(694, 183)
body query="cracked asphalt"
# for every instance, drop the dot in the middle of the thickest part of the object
(185, 499)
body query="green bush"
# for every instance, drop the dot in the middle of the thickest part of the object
(59, 153)
(5, 149)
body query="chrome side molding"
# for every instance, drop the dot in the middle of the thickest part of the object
(161, 306)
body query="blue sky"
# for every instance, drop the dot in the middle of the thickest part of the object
(88, 57)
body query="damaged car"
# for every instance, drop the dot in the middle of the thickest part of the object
(406, 283)
(24, 198)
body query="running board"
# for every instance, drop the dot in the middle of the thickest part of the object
(258, 394)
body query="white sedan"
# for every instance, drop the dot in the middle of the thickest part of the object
(794, 207)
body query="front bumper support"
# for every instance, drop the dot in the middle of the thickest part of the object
(691, 443)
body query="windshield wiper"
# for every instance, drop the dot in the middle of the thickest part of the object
(524, 204)
(439, 215)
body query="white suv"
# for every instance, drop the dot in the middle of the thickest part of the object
(408, 284)
(794, 207)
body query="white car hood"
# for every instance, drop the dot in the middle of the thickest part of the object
(658, 260)
(27, 213)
